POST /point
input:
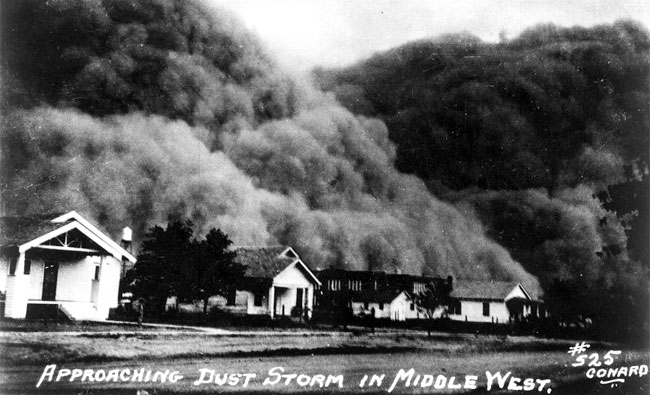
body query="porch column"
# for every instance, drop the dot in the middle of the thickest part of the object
(272, 301)
(310, 299)
(17, 291)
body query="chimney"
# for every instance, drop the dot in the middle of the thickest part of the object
(127, 238)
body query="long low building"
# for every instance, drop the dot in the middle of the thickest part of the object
(496, 302)
(376, 294)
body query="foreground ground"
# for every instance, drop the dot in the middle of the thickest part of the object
(343, 357)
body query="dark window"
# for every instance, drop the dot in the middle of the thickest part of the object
(28, 266)
(12, 266)
(454, 306)
(486, 309)
(412, 306)
(299, 301)
(258, 300)
(96, 272)
(232, 297)
(381, 306)
(365, 305)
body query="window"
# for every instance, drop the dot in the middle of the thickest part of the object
(232, 297)
(381, 306)
(96, 277)
(412, 306)
(299, 298)
(418, 287)
(12, 266)
(486, 309)
(334, 285)
(454, 307)
(365, 305)
(28, 266)
(354, 285)
(258, 300)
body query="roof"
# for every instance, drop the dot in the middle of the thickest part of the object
(268, 262)
(15, 231)
(379, 296)
(28, 232)
(263, 262)
(368, 275)
(492, 290)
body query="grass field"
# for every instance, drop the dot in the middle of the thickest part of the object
(26, 354)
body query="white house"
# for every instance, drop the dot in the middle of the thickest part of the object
(496, 302)
(388, 304)
(58, 263)
(276, 283)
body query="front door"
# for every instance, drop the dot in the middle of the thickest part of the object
(299, 298)
(50, 275)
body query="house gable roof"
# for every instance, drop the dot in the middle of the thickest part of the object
(268, 262)
(379, 296)
(32, 231)
(15, 231)
(73, 215)
(488, 290)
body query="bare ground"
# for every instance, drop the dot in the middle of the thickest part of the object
(353, 355)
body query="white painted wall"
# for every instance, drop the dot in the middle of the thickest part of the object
(285, 300)
(256, 310)
(286, 283)
(401, 308)
(74, 284)
(109, 283)
(472, 311)
(36, 280)
(359, 309)
(292, 277)
(4, 271)
(74, 280)
(516, 293)
(17, 291)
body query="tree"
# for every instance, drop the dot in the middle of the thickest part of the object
(217, 273)
(629, 200)
(435, 296)
(162, 266)
(172, 262)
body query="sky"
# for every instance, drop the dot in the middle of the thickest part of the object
(335, 33)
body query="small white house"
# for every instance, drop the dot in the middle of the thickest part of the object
(276, 283)
(495, 302)
(59, 262)
(394, 305)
